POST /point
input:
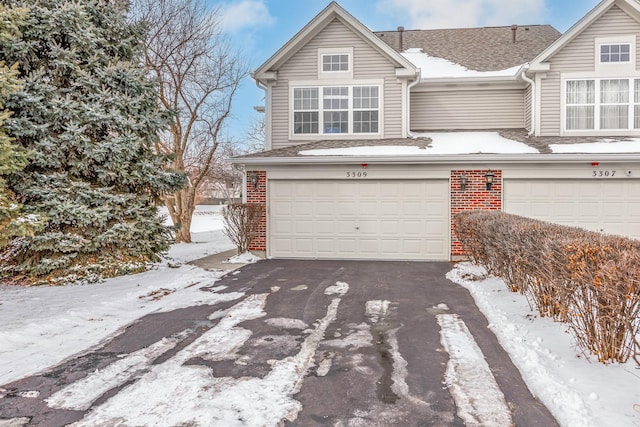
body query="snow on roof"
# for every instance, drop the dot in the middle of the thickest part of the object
(441, 143)
(605, 146)
(432, 67)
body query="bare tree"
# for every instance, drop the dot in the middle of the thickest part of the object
(256, 135)
(199, 75)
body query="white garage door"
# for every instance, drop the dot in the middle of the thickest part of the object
(359, 219)
(611, 206)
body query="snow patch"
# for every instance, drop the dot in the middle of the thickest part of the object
(432, 67)
(245, 258)
(286, 323)
(605, 146)
(376, 309)
(340, 288)
(441, 143)
(358, 337)
(479, 400)
(552, 368)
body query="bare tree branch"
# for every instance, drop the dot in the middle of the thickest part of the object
(199, 75)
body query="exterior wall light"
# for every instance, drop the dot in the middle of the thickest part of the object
(253, 178)
(489, 179)
(463, 182)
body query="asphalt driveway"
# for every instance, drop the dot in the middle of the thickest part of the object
(365, 339)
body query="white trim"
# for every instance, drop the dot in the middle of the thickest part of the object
(322, 52)
(538, 87)
(615, 67)
(350, 84)
(630, 130)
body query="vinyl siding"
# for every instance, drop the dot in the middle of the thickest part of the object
(474, 109)
(579, 56)
(368, 64)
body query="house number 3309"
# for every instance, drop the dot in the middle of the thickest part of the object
(356, 174)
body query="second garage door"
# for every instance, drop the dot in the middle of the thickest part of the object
(611, 206)
(383, 219)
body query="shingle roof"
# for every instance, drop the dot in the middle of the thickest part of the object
(541, 143)
(479, 49)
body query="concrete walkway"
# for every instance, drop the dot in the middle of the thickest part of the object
(217, 262)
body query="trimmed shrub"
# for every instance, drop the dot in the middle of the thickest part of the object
(587, 279)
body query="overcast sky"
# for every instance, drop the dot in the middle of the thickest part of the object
(260, 27)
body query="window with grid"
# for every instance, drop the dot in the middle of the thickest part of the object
(602, 104)
(615, 53)
(335, 104)
(335, 63)
(580, 104)
(305, 110)
(365, 109)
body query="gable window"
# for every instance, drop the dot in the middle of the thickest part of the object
(602, 104)
(340, 110)
(332, 63)
(615, 53)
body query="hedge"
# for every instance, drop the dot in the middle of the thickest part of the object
(589, 280)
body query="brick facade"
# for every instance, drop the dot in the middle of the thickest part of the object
(475, 196)
(259, 195)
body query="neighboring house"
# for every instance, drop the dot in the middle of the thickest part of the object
(376, 139)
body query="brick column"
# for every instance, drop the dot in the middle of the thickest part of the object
(259, 195)
(474, 197)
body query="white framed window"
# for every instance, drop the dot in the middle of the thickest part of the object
(330, 110)
(617, 52)
(615, 56)
(602, 104)
(335, 63)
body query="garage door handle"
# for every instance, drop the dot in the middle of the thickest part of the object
(357, 228)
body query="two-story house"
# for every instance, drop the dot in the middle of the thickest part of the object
(376, 139)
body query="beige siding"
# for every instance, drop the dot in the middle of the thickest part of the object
(527, 108)
(368, 64)
(579, 56)
(475, 109)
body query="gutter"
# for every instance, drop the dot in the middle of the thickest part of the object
(409, 87)
(442, 159)
(523, 74)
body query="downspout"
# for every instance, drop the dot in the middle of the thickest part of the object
(409, 86)
(533, 98)
(267, 114)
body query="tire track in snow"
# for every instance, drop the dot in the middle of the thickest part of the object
(479, 400)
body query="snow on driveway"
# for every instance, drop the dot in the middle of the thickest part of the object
(174, 393)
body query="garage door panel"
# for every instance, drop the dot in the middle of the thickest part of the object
(363, 219)
(611, 206)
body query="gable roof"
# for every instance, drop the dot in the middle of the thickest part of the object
(629, 6)
(316, 25)
(479, 49)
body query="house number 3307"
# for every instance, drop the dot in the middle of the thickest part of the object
(603, 174)
(356, 174)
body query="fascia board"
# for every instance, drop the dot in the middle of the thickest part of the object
(442, 159)
(571, 33)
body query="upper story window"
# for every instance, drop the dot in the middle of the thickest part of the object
(335, 63)
(602, 104)
(615, 53)
(331, 63)
(341, 109)
(615, 56)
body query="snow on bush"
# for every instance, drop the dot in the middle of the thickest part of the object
(587, 279)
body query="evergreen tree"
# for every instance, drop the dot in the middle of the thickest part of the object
(12, 222)
(89, 115)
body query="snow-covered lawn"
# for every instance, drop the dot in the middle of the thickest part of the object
(45, 325)
(577, 389)
(41, 326)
